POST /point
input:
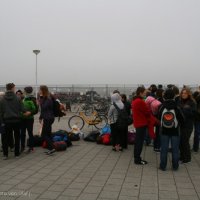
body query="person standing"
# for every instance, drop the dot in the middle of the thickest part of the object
(196, 96)
(46, 117)
(28, 121)
(116, 131)
(171, 118)
(188, 107)
(141, 117)
(127, 106)
(10, 115)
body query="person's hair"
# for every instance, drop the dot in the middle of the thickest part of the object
(116, 91)
(189, 93)
(140, 90)
(168, 94)
(159, 93)
(28, 89)
(196, 94)
(45, 90)
(19, 91)
(176, 90)
(153, 88)
(124, 97)
(10, 86)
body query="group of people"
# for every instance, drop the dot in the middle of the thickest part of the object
(166, 116)
(17, 110)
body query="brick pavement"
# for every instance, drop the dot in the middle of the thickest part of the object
(88, 171)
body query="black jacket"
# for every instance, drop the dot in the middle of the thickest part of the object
(11, 108)
(171, 104)
(197, 113)
(188, 108)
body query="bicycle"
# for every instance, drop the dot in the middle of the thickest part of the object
(95, 119)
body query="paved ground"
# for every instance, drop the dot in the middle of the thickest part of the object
(89, 171)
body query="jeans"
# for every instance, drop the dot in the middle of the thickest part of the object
(27, 124)
(165, 139)
(7, 136)
(196, 136)
(139, 140)
(46, 132)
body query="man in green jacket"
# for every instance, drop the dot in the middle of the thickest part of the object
(30, 105)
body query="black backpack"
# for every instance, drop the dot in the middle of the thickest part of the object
(122, 119)
(56, 109)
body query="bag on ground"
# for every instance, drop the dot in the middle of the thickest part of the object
(60, 146)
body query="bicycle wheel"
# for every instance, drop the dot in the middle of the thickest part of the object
(76, 120)
(102, 123)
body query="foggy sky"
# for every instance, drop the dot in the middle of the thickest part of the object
(100, 41)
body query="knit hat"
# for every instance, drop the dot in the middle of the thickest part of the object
(28, 89)
(169, 94)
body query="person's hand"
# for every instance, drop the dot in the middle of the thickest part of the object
(28, 113)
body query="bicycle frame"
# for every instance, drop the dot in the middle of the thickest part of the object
(90, 120)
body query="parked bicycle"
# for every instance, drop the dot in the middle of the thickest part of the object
(95, 119)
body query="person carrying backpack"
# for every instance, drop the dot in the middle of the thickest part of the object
(47, 117)
(27, 122)
(116, 130)
(171, 118)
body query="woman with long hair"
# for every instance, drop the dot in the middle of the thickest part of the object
(188, 106)
(46, 117)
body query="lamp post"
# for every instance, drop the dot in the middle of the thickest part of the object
(36, 52)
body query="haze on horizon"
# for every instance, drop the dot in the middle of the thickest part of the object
(100, 41)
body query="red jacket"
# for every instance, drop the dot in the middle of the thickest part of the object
(141, 113)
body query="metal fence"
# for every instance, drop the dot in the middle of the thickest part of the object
(100, 89)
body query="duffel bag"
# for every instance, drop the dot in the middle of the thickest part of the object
(60, 146)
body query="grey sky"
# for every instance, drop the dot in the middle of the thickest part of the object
(100, 41)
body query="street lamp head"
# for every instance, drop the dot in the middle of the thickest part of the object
(36, 52)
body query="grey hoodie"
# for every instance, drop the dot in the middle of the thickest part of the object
(10, 108)
(113, 113)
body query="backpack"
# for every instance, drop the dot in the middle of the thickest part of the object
(122, 119)
(168, 119)
(57, 109)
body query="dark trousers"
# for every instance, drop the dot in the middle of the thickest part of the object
(46, 132)
(27, 124)
(11, 139)
(139, 140)
(116, 134)
(196, 136)
(185, 153)
(156, 142)
(125, 137)
(7, 137)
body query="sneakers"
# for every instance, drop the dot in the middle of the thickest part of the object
(30, 150)
(185, 161)
(5, 157)
(162, 169)
(50, 152)
(141, 162)
(157, 150)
